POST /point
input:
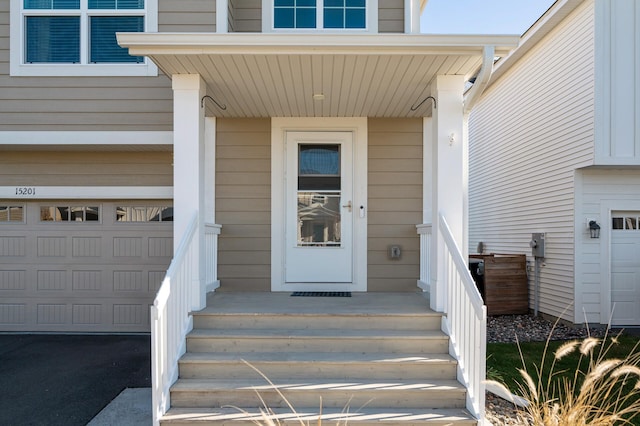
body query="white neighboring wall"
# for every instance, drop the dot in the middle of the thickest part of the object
(528, 134)
(618, 82)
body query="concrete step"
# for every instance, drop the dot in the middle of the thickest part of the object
(322, 340)
(312, 416)
(357, 321)
(300, 365)
(329, 393)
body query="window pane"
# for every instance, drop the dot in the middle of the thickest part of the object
(318, 219)
(283, 18)
(52, 39)
(16, 214)
(319, 160)
(167, 214)
(284, 3)
(334, 18)
(92, 214)
(104, 46)
(356, 3)
(130, 4)
(52, 4)
(617, 223)
(355, 18)
(630, 223)
(306, 17)
(116, 4)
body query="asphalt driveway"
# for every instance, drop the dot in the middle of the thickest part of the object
(67, 379)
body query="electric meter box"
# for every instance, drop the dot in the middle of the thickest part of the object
(537, 244)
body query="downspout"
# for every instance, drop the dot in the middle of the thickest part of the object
(482, 80)
(470, 99)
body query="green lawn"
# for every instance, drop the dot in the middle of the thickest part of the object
(504, 360)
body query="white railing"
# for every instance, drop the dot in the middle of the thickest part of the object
(424, 231)
(170, 313)
(211, 232)
(466, 321)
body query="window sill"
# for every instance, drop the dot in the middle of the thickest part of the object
(79, 70)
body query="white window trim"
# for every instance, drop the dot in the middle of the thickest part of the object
(87, 192)
(88, 138)
(372, 21)
(19, 69)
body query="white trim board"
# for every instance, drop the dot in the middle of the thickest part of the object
(31, 192)
(279, 127)
(86, 138)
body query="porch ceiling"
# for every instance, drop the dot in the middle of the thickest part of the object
(276, 75)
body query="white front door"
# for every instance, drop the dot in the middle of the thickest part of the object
(319, 208)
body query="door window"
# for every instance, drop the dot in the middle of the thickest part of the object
(319, 196)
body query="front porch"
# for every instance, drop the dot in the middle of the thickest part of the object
(331, 93)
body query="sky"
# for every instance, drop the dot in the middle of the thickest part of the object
(481, 16)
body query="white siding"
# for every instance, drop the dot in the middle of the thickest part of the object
(528, 134)
(618, 82)
(602, 191)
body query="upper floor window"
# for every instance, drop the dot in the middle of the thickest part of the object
(320, 14)
(78, 37)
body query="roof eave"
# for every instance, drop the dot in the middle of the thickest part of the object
(146, 44)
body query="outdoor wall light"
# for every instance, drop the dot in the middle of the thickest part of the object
(594, 229)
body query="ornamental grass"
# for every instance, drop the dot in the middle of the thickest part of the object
(601, 390)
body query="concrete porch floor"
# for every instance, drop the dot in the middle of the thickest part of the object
(408, 303)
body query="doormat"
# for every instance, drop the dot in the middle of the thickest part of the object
(322, 293)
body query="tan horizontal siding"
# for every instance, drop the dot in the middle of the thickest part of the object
(245, 16)
(528, 134)
(395, 202)
(243, 203)
(391, 16)
(86, 168)
(187, 16)
(83, 103)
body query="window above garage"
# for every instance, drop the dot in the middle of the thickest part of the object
(320, 15)
(78, 37)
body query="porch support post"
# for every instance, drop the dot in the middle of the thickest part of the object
(449, 186)
(188, 170)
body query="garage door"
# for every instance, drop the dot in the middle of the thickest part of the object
(82, 266)
(625, 268)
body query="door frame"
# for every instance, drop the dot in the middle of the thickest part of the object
(279, 128)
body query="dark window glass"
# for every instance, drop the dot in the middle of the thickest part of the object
(116, 4)
(306, 18)
(52, 4)
(284, 18)
(104, 46)
(355, 18)
(53, 39)
(617, 223)
(319, 160)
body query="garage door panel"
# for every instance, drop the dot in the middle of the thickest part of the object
(55, 314)
(12, 246)
(13, 279)
(94, 276)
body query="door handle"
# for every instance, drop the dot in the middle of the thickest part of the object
(348, 206)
